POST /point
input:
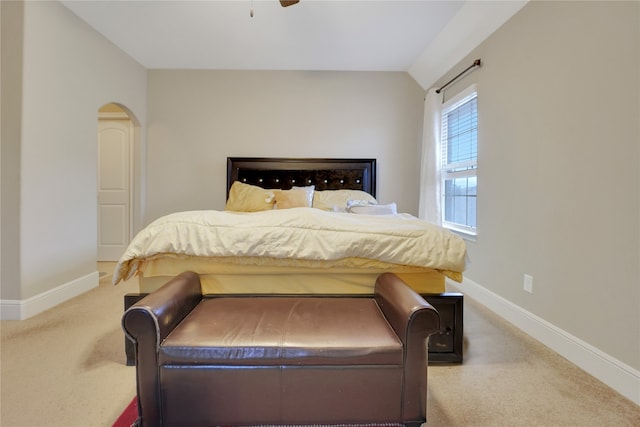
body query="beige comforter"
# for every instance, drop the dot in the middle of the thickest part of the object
(299, 234)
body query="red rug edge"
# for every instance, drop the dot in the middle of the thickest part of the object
(129, 415)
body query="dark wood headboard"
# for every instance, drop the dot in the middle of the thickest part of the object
(284, 173)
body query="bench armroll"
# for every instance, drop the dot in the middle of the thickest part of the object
(413, 319)
(147, 323)
(405, 310)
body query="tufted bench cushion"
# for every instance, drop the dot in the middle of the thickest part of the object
(283, 331)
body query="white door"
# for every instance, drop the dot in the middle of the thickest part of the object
(114, 187)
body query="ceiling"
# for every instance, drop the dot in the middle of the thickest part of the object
(359, 35)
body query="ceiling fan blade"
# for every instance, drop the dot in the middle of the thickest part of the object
(286, 3)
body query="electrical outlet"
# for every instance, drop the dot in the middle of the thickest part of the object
(528, 283)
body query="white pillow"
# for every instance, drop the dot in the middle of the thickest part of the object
(367, 209)
(310, 190)
(297, 197)
(336, 200)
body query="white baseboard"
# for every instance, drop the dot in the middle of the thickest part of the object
(23, 309)
(619, 376)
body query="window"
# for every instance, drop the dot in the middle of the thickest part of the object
(459, 164)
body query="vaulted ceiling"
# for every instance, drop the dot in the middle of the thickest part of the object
(421, 37)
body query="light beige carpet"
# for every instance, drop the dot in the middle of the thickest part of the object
(66, 367)
(509, 379)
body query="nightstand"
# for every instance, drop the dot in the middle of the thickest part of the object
(446, 345)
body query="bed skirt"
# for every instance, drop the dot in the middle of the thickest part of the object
(244, 279)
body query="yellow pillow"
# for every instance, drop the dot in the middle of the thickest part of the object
(249, 198)
(297, 197)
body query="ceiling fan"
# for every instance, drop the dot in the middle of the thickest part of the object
(283, 3)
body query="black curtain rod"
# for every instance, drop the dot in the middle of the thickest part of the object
(476, 63)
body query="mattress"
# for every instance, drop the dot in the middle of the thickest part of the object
(225, 278)
(297, 250)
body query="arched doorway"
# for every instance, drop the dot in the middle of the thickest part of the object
(115, 181)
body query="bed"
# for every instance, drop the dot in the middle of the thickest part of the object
(164, 249)
(317, 247)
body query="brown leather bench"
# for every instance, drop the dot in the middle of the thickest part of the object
(276, 360)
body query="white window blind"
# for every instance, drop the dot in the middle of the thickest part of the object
(459, 163)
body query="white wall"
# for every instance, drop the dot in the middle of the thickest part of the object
(69, 71)
(12, 15)
(199, 118)
(558, 178)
